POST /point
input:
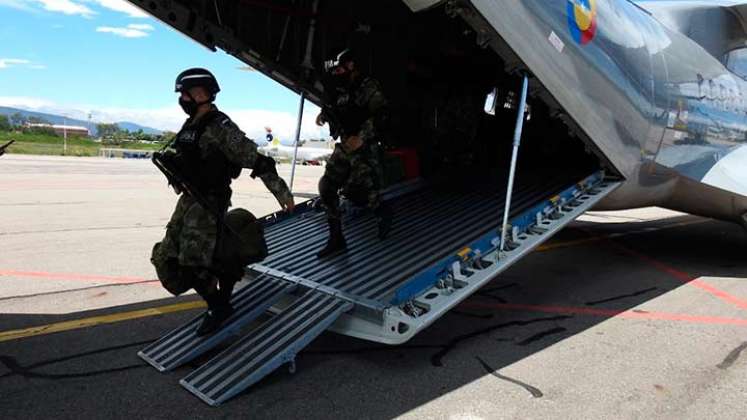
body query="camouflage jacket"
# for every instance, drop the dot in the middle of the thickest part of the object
(366, 98)
(225, 136)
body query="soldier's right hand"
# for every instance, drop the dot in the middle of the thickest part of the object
(320, 120)
(288, 206)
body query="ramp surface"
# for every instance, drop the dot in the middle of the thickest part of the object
(275, 342)
(182, 345)
(429, 224)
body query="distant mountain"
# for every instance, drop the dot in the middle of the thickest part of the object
(129, 126)
(57, 119)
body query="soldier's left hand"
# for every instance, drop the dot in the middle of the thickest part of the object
(320, 120)
(352, 143)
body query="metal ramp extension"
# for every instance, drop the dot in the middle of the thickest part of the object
(272, 344)
(182, 345)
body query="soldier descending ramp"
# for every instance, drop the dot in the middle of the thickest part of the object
(444, 246)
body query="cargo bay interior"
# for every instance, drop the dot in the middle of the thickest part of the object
(435, 69)
(437, 76)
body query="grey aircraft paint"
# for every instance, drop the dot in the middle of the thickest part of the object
(662, 108)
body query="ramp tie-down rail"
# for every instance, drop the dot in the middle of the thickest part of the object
(274, 343)
(182, 345)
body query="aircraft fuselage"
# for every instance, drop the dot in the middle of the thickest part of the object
(667, 114)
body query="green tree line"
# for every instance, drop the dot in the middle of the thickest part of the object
(110, 134)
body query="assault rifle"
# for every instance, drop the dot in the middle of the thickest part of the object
(166, 163)
(5, 146)
(344, 122)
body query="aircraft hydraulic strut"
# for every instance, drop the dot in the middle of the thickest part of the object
(298, 136)
(512, 171)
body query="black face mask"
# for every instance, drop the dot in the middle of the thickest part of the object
(343, 80)
(190, 106)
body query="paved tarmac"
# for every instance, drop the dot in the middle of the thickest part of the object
(635, 314)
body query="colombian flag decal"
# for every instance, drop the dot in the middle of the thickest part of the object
(582, 20)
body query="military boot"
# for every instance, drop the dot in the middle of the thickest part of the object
(219, 309)
(384, 220)
(336, 242)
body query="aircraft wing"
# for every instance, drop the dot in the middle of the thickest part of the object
(740, 9)
(719, 26)
(679, 3)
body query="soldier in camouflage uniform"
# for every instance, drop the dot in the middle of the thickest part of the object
(356, 113)
(210, 151)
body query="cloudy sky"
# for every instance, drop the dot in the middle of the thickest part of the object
(108, 58)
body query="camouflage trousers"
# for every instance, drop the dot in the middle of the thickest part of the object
(184, 258)
(358, 174)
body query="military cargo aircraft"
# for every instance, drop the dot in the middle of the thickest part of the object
(633, 103)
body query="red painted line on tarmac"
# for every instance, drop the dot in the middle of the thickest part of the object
(684, 277)
(609, 313)
(75, 277)
(700, 284)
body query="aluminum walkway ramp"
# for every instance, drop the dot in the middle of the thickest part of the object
(444, 245)
(429, 225)
(182, 345)
(274, 343)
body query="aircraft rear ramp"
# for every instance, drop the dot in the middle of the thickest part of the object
(444, 245)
